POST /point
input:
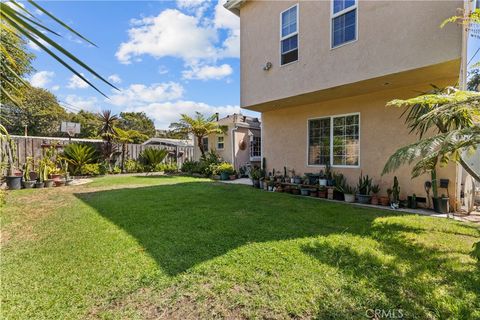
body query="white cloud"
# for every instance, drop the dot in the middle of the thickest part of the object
(41, 78)
(171, 33)
(55, 88)
(115, 78)
(224, 19)
(75, 82)
(207, 72)
(85, 103)
(196, 6)
(167, 112)
(138, 94)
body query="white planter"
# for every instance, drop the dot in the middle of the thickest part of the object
(322, 182)
(349, 198)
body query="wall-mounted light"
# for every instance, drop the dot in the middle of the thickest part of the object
(267, 66)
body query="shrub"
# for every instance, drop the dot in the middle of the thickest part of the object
(116, 170)
(90, 169)
(224, 167)
(189, 166)
(167, 168)
(132, 166)
(151, 157)
(78, 155)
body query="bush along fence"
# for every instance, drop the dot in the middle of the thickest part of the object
(31, 150)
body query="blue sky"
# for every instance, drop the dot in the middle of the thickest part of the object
(167, 57)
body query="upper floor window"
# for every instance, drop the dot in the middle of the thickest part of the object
(220, 142)
(334, 140)
(289, 35)
(344, 21)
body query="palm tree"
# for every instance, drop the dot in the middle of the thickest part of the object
(199, 126)
(107, 132)
(451, 119)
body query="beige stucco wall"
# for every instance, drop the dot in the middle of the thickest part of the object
(393, 36)
(381, 133)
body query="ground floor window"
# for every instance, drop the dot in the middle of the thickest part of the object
(220, 143)
(334, 140)
(256, 147)
(205, 144)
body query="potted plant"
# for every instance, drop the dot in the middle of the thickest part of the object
(224, 169)
(338, 181)
(295, 190)
(363, 186)
(375, 190)
(255, 175)
(40, 184)
(322, 192)
(412, 201)
(233, 176)
(322, 179)
(14, 180)
(27, 182)
(313, 192)
(348, 193)
(395, 193)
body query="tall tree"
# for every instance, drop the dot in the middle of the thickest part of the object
(138, 121)
(15, 65)
(107, 132)
(39, 111)
(199, 125)
(90, 124)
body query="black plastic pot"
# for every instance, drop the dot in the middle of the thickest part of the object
(39, 185)
(28, 184)
(364, 198)
(337, 195)
(14, 182)
(440, 205)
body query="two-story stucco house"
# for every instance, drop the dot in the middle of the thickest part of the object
(321, 73)
(240, 144)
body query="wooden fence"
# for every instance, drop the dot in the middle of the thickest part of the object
(33, 147)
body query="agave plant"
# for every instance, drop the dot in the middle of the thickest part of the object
(150, 157)
(77, 155)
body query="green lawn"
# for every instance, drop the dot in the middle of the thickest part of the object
(185, 248)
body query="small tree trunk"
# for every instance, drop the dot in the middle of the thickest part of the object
(124, 146)
(200, 145)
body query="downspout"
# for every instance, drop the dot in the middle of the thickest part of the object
(233, 146)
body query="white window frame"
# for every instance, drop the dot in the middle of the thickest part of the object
(222, 142)
(208, 143)
(296, 33)
(342, 12)
(331, 140)
(252, 156)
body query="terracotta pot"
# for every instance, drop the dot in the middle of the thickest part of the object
(314, 194)
(375, 200)
(233, 177)
(59, 183)
(384, 201)
(322, 194)
(55, 177)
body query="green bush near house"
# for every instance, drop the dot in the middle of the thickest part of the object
(78, 155)
(151, 157)
(90, 169)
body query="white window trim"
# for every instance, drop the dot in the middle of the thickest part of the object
(342, 12)
(296, 33)
(223, 142)
(331, 140)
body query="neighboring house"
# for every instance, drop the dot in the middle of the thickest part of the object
(240, 144)
(321, 72)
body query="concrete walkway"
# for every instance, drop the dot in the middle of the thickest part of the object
(244, 181)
